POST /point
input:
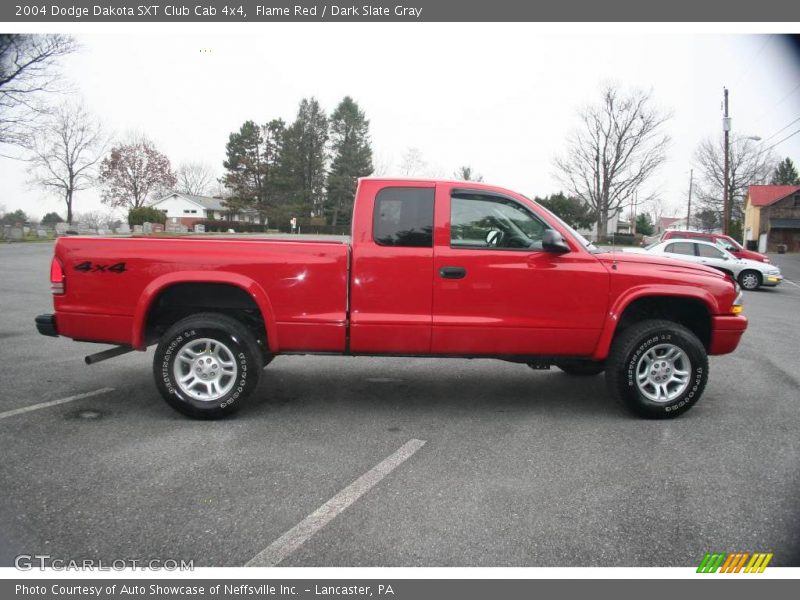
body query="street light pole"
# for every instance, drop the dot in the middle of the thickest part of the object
(726, 200)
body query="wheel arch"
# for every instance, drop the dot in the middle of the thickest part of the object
(161, 285)
(691, 307)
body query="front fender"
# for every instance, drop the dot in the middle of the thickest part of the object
(647, 291)
(158, 285)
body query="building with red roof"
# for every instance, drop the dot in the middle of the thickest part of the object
(772, 217)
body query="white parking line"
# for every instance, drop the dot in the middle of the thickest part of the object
(792, 282)
(19, 411)
(305, 529)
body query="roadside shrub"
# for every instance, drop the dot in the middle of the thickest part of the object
(220, 226)
(145, 214)
(621, 239)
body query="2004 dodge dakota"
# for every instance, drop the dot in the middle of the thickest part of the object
(433, 268)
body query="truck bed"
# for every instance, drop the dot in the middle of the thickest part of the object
(301, 283)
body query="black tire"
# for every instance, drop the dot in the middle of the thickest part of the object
(581, 368)
(624, 358)
(237, 343)
(750, 279)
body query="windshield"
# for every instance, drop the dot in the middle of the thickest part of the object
(583, 241)
(728, 243)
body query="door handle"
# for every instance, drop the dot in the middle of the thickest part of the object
(452, 272)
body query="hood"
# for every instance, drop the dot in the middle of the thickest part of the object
(751, 255)
(646, 258)
(758, 265)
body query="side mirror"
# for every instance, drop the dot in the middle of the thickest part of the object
(554, 242)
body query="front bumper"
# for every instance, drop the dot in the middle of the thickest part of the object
(46, 325)
(771, 280)
(726, 332)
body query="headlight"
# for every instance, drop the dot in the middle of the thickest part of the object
(773, 272)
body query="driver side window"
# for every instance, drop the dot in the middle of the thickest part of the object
(490, 222)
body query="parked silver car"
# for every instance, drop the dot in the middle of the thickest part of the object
(750, 274)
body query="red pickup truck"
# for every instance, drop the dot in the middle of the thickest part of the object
(434, 268)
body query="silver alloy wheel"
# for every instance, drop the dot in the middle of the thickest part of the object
(662, 373)
(750, 281)
(205, 369)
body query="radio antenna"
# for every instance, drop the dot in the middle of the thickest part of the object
(614, 250)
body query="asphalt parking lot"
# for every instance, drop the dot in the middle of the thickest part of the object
(519, 468)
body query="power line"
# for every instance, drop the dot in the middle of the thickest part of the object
(784, 128)
(778, 103)
(781, 141)
(753, 60)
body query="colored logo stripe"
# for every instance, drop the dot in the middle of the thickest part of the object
(711, 562)
(733, 562)
(758, 563)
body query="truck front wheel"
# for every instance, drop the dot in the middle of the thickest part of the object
(658, 369)
(206, 365)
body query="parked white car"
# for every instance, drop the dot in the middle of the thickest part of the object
(750, 274)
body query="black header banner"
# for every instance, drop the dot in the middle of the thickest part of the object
(48, 11)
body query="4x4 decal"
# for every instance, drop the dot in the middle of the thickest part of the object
(90, 267)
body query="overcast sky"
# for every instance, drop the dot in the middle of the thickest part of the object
(498, 97)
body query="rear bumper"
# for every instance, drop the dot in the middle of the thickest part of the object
(46, 325)
(726, 332)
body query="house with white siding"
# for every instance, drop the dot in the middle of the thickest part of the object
(187, 209)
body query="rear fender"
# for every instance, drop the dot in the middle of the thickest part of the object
(161, 283)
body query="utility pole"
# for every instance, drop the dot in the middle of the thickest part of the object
(726, 192)
(689, 209)
(597, 195)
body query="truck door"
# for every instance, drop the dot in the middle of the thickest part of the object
(497, 292)
(392, 268)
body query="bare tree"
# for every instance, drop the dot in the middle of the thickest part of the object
(28, 69)
(92, 219)
(65, 151)
(618, 147)
(134, 172)
(748, 165)
(413, 163)
(195, 178)
(382, 165)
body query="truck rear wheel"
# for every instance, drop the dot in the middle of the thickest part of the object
(206, 365)
(658, 369)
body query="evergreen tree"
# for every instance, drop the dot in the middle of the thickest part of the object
(244, 167)
(644, 224)
(305, 158)
(572, 210)
(467, 173)
(785, 173)
(253, 167)
(51, 218)
(352, 158)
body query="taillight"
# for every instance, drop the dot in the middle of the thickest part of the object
(56, 277)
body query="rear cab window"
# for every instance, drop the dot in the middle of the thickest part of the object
(403, 216)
